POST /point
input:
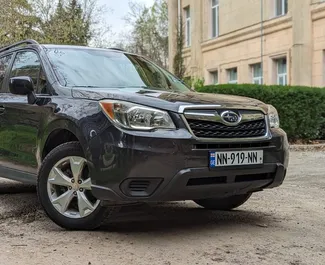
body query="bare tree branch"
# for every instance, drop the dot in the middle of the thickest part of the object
(149, 34)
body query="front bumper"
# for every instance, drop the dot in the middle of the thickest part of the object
(170, 166)
(189, 184)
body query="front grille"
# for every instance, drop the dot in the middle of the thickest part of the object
(222, 180)
(209, 129)
(206, 181)
(253, 177)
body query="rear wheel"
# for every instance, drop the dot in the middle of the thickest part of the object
(64, 189)
(224, 204)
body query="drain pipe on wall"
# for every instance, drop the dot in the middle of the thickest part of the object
(262, 35)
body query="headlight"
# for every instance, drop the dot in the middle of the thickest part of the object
(273, 117)
(136, 117)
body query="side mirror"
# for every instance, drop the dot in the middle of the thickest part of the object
(21, 85)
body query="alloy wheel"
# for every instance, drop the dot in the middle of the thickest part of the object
(69, 188)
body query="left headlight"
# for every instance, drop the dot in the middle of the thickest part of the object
(273, 117)
(136, 117)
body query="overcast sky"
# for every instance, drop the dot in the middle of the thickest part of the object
(119, 9)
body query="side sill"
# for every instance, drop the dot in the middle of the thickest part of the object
(17, 175)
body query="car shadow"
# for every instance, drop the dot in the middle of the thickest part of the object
(142, 218)
(15, 187)
(168, 217)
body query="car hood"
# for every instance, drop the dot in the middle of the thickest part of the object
(170, 101)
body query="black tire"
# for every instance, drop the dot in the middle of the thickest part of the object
(90, 222)
(224, 204)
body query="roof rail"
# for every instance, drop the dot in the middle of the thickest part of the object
(5, 48)
(117, 49)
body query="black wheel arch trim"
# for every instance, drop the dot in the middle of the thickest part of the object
(59, 124)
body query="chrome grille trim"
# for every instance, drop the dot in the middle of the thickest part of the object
(208, 113)
(214, 116)
(183, 108)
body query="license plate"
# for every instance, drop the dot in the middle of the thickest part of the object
(240, 158)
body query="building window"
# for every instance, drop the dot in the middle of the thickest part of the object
(232, 76)
(257, 74)
(281, 7)
(215, 18)
(282, 77)
(214, 77)
(187, 26)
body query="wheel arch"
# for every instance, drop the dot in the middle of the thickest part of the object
(56, 138)
(57, 133)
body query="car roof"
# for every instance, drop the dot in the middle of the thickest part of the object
(31, 43)
(76, 47)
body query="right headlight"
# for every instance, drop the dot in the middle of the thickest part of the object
(136, 117)
(273, 117)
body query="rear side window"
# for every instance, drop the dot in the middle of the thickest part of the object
(4, 63)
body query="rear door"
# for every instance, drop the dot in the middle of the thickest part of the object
(20, 121)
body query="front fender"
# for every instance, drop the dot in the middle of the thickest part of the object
(80, 117)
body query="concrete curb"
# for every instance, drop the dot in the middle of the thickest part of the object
(310, 147)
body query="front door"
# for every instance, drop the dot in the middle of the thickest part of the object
(20, 121)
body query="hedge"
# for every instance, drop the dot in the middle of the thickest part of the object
(301, 109)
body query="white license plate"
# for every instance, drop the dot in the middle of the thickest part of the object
(236, 158)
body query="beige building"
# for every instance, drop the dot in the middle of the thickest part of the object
(251, 41)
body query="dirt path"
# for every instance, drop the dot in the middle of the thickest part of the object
(280, 226)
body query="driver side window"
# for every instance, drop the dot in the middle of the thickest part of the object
(27, 63)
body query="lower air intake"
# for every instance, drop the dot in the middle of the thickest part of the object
(140, 187)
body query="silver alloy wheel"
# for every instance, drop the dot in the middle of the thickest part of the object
(69, 188)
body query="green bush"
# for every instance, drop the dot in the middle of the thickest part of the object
(301, 109)
(194, 82)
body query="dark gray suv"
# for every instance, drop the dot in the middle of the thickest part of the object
(99, 128)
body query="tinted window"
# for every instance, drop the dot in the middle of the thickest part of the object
(4, 63)
(108, 69)
(28, 64)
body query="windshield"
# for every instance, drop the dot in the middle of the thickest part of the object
(110, 69)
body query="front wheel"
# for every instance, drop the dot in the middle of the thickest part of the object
(224, 204)
(64, 189)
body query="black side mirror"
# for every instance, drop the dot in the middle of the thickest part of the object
(23, 85)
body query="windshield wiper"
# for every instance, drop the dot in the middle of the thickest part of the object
(153, 88)
(87, 86)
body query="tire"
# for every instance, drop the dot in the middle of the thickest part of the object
(224, 204)
(69, 219)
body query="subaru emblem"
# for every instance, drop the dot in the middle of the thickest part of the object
(230, 118)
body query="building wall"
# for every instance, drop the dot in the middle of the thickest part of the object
(318, 32)
(243, 51)
(233, 18)
(299, 36)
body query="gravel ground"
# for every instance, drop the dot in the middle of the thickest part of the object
(280, 226)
